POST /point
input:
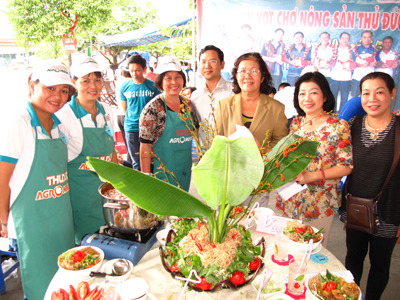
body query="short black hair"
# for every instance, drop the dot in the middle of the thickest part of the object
(246, 26)
(322, 82)
(266, 85)
(367, 31)
(136, 59)
(283, 84)
(191, 88)
(212, 47)
(344, 32)
(387, 38)
(298, 32)
(160, 77)
(151, 69)
(272, 90)
(325, 32)
(279, 29)
(379, 75)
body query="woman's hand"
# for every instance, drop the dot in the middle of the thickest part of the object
(307, 177)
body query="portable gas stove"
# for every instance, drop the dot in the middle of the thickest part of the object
(129, 246)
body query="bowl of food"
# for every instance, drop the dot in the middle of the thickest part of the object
(300, 236)
(326, 285)
(274, 286)
(162, 235)
(78, 262)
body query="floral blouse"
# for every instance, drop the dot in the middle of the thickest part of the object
(320, 199)
(152, 121)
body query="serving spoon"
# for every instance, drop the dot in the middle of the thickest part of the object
(119, 268)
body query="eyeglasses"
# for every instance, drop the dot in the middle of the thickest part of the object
(211, 62)
(242, 73)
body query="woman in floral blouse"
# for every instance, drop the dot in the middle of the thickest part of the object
(317, 204)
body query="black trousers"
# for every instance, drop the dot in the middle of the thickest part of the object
(380, 254)
(120, 121)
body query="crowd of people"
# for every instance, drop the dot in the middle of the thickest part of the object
(48, 191)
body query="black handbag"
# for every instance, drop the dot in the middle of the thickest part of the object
(362, 213)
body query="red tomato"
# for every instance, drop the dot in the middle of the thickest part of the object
(255, 264)
(204, 285)
(61, 294)
(174, 268)
(237, 278)
(299, 230)
(83, 290)
(170, 253)
(95, 294)
(78, 256)
(55, 296)
(72, 293)
(330, 286)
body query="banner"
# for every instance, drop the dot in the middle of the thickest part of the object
(239, 26)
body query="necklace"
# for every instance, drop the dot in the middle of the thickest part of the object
(374, 135)
(310, 122)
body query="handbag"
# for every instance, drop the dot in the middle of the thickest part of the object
(362, 213)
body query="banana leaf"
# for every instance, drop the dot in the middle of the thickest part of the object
(230, 170)
(149, 193)
(282, 168)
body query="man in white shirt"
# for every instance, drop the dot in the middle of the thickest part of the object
(214, 89)
(386, 58)
(324, 56)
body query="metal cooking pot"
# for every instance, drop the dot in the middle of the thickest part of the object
(123, 215)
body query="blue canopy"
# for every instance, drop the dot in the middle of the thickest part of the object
(143, 36)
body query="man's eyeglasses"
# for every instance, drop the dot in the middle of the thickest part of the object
(211, 62)
(242, 73)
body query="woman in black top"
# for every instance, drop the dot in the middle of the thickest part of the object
(373, 150)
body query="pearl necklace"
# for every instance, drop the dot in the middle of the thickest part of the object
(374, 135)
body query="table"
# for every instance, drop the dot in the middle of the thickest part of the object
(162, 284)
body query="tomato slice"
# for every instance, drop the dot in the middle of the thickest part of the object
(174, 268)
(55, 296)
(237, 278)
(204, 285)
(78, 256)
(255, 264)
(95, 294)
(83, 290)
(330, 286)
(72, 293)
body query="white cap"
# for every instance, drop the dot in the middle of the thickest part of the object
(84, 67)
(168, 63)
(51, 72)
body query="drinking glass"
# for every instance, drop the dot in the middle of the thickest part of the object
(296, 276)
(281, 247)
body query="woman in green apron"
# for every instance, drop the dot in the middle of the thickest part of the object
(162, 130)
(90, 133)
(35, 206)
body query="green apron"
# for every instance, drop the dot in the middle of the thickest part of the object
(42, 216)
(86, 201)
(174, 148)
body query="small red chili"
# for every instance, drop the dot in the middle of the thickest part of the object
(199, 246)
(192, 237)
(277, 164)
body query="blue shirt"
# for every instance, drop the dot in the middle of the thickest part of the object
(295, 71)
(136, 97)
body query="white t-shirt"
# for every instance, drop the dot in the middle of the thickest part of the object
(324, 54)
(363, 52)
(338, 73)
(201, 101)
(286, 97)
(383, 57)
(68, 115)
(18, 147)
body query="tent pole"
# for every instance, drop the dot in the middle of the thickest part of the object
(194, 42)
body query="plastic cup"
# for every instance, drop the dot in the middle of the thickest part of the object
(281, 247)
(296, 276)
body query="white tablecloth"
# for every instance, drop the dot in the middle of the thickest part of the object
(162, 284)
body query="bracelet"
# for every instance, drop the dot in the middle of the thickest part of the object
(323, 176)
(4, 224)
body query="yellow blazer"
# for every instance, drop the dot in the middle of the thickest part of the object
(269, 115)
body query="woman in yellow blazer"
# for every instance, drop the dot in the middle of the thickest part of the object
(251, 106)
